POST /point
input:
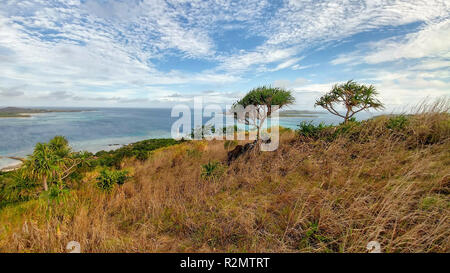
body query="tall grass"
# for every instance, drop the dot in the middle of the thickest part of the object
(333, 192)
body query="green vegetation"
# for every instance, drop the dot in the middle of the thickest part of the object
(14, 112)
(55, 168)
(53, 162)
(213, 170)
(140, 150)
(353, 96)
(308, 129)
(262, 98)
(107, 179)
(398, 122)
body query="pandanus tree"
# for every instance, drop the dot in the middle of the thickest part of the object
(60, 146)
(43, 164)
(353, 96)
(261, 99)
(54, 161)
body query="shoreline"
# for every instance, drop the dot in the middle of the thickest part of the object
(13, 166)
(28, 113)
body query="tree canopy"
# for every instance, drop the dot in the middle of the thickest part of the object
(263, 99)
(53, 161)
(353, 96)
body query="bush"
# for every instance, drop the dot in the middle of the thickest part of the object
(308, 129)
(109, 178)
(350, 128)
(56, 191)
(397, 122)
(212, 170)
(140, 150)
(17, 188)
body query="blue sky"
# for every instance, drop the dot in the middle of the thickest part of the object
(160, 53)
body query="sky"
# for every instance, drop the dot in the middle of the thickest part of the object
(156, 53)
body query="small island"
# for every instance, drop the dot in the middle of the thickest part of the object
(299, 114)
(16, 112)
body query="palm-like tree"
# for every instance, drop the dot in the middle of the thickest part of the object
(43, 164)
(60, 146)
(263, 99)
(355, 98)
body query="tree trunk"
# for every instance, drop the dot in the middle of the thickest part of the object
(346, 116)
(45, 183)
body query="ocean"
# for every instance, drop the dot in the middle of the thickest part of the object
(102, 128)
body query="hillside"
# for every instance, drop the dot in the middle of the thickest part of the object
(326, 189)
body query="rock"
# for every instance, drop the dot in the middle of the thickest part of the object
(239, 150)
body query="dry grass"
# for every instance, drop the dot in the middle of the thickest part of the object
(310, 195)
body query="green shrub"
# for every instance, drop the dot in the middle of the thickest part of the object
(350, 129)
(212, 170)
(56, 191)
(109, 178)
(142, 155)
(140, 150)
(308, 129)
(397, 122)
(17, 188)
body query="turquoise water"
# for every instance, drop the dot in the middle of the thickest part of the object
(101, 129)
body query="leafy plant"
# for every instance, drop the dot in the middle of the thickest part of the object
(54, 161)
(60, 146)
(43, 164)
(397, 122)
(312, 236)
(109, 178)
(308, 129)
(18, 187)
(56, 191)
(212, 170)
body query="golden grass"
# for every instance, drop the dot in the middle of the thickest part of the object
(310, 195)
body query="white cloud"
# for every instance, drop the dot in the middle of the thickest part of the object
(308, 21)
(96, 51)
(286, 64)
(432, 41)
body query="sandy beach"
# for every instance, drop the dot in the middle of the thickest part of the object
(10, 163)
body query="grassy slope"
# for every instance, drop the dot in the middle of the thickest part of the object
(371, 183)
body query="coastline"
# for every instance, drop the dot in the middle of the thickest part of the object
(18, 162)
(11, 112)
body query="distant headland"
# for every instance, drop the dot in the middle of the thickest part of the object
(299, 113)
(16, 112)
